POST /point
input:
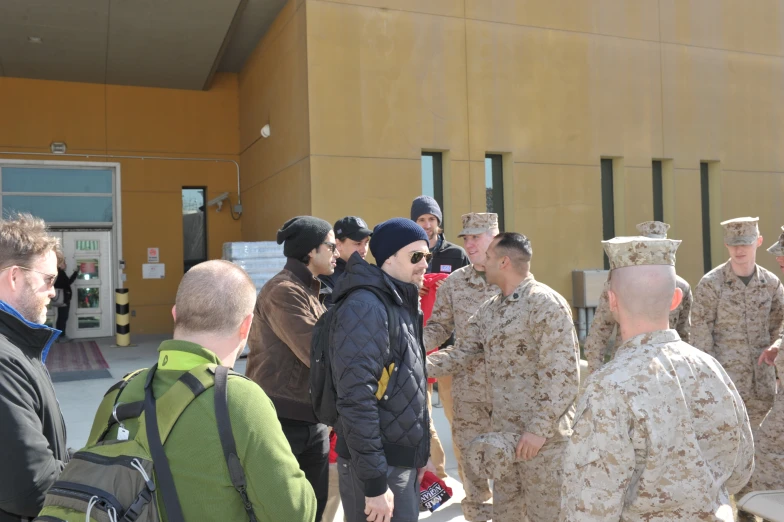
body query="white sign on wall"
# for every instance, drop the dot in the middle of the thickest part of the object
(153, 255)
(153, 271)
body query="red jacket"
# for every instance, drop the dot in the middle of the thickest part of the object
(427, 301)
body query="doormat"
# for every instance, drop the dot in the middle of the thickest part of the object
(76, 361)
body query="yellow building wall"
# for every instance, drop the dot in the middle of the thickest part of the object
(273, 90)
(118, 120)
(554, 86)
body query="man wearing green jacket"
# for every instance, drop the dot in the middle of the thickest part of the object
(213, 313)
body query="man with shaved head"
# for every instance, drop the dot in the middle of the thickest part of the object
(597, 346)
(213, 312)
(660, 432)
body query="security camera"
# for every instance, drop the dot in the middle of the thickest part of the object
(218, 201)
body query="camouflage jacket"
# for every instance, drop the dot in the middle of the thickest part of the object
(734, 323)
(769, 438)
(597, 344)
(528, 342)
(660, 433)
(458, 298)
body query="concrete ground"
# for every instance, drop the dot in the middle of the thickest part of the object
(80, 399)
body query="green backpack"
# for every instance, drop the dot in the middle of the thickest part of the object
(128, 479)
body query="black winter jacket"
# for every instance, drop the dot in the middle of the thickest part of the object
(325, 295)
(447, 257)
(32, 430)
(392, 431)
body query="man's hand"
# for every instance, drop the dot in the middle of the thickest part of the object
(529, 445)
(428, 467)
(768, 356)
(380, 508)
(424, 291)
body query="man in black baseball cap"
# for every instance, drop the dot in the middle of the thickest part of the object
(352, 235)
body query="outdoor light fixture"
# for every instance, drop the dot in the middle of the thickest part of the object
(58, 147)
(34, 39)
(265, 131)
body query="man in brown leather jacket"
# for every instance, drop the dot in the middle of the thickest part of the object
(286, 311)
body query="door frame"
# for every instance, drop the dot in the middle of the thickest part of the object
(117, 272)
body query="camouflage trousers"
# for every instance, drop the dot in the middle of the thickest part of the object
(757, 413)
(470, 420)
(533, 493)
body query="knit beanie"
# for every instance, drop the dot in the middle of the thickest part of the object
(302, 234)
(426, 205)
(392, 235)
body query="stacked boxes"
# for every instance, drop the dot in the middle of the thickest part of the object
(261, 259)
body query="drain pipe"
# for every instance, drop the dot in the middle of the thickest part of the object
(589, 320)
(117, 156)
(581, 324)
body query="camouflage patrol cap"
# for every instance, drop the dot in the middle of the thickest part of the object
(492, 454)
(638, 250)
(476, 223)
(777, 248)
(655, 229)
(740, 231)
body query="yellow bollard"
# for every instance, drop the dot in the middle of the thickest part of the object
(123, 317)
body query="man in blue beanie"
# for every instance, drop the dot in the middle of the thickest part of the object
(378, 368)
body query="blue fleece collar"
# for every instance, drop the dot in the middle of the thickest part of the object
(5, 307)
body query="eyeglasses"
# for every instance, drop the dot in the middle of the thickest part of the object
(416, 257)
(332, 246)
(48, 278)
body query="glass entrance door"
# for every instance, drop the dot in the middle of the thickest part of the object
(92, 304)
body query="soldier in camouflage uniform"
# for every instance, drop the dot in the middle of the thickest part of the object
(526, 337)
(737, 314)
(768, 447)
(597, 345)
(661, 432)
(458, 298)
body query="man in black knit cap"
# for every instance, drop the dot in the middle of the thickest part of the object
(286, 310)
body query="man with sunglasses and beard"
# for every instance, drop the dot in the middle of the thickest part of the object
(32, 430)
(287, 309)
(378, 367)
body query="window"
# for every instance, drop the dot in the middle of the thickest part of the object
(59, 195)
(706, 219)
(494, 186)
(432, 177)
(194, 226)
(608, 205)
(658, 191)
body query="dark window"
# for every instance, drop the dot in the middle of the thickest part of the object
(608, 205)
(706, 219)
(658, 192)
(494, 186)
(432, 177)
(194, 226)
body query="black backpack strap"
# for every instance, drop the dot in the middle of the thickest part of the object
(171, 501)
(236, 473)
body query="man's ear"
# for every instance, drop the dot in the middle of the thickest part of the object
(677, 297)
(759, 241)
(613, 301)
(174, 313)
(246, 325)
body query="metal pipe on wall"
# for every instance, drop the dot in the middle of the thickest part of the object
(117, 156)
(589, 319)
(581, 324)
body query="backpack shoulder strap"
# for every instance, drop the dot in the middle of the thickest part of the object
(171, 501)
(104, 417)
(236, 472)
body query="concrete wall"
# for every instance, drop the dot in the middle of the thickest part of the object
(107, 119)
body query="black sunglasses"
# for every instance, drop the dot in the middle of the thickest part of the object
(332, 246)
(416, 257)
